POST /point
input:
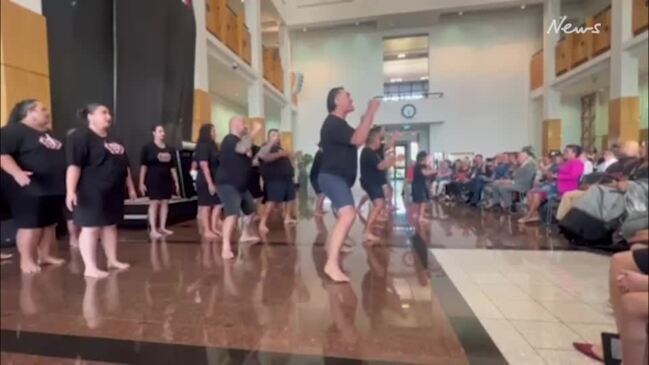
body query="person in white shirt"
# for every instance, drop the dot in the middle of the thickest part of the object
(588, 164)
(608, 159)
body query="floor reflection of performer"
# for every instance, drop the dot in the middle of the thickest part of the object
(342, 307)
(91, 305)
(379, 292)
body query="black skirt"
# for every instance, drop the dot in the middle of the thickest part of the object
(98, 208)
(159, 190)
(420, 194)
(205, 199)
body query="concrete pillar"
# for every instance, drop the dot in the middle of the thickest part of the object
(256, 87)
(624, 104)
(551, 135)
(285, 56)
(201, 75)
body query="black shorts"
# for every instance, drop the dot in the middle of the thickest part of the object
(373, 190)
(641, 258)
(279, 191)
(316, 186)
(235, 201)
(254, 185)
(99, 208)
(32, 211)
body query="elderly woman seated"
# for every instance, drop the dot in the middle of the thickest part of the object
(566, 179)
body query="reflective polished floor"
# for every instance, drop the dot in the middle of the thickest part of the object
(179, 303)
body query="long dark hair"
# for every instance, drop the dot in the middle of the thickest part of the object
(421, 157)
(88, 109)
(205, 134)
(20, 110)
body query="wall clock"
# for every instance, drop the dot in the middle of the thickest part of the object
(408, 111)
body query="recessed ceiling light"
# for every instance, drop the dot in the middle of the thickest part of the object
(460, 13)
(423, 78)
(396, 79)
(401, 55)
(304, 29)
(357, 23)
(523, 7)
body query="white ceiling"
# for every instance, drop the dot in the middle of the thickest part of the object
(225, 82)
(316, 13)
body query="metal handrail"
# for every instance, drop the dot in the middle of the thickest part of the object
(427, 95)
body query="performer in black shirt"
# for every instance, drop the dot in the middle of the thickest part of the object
(232, 180)
(36, 162)
(96, 177)
(420, 194)
(277, 171)
(209, 201)
(338, 172)
(313, 177)
(158, 180)
(373, 178)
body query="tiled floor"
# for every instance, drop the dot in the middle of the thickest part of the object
(534, 304)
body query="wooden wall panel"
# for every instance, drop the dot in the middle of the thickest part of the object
(640, 20)
(536, 70)
(202, 112)
(624, 119)
(552, 139)
(602, 41)
(287, 141)
(644, 135)
(563, 55)
(24, 59)
(260, 138)
(583, 45)
(212, 16)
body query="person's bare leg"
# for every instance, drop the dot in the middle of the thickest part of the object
(216, 219)
(534, 202)
(164, 213)
(87, 246)
(109, 242)
(229, 224)
(73, 233)
(153, 219)
(346, 217)
(633, 327)
(422, 213)
(288, 213)
(205, 216)
(377, 207)
(247, 234)
(48, 237)
(27, 240)
(263, 224)
(319, 205)
(364, 200)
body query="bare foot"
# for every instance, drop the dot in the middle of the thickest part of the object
(369, 236)
(165, 231)
(227, 254)
(209, 235)
(29, 267)
(118, 265)
(74, 243)
(97, 274)
(248, 238)
(50, 260)
(263, 229)
(155, 234)
(335, 274)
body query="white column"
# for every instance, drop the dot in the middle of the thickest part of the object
(285, 56)
(624, 67)
(551, 97)
(201, 75)
(256, 88)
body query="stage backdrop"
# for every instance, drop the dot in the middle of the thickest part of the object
(155, 70)
(80, 37)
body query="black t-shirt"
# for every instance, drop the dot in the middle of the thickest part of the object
(27, 147)
(370, 172)
(338, 153)
(102, 165)
(316, 165)
(280, 169)
(235, 168)
(419, 179)
(208, 152)
(158, 161)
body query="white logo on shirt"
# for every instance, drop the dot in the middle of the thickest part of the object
(114, 148)
(49, 142)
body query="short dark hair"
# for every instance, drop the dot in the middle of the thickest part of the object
(205, 133)
(373, 133)
(576, 149)
(20, 110)
(155, 126)
(88, 109)
(272, 130)
(331, 98)
(421, 156)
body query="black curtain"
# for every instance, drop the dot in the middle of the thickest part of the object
(80, 42)
(155, 71)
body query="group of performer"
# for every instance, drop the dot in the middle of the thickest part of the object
(90, 176)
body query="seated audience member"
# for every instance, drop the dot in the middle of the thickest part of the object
(628, 288)
(566, 179)
(608, 158)
(444, 175)
(477, 180)
(588, 164)
(628, 165)
(501, 172)
(460, 177)
(523, 179)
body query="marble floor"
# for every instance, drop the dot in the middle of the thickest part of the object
(470, 288)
